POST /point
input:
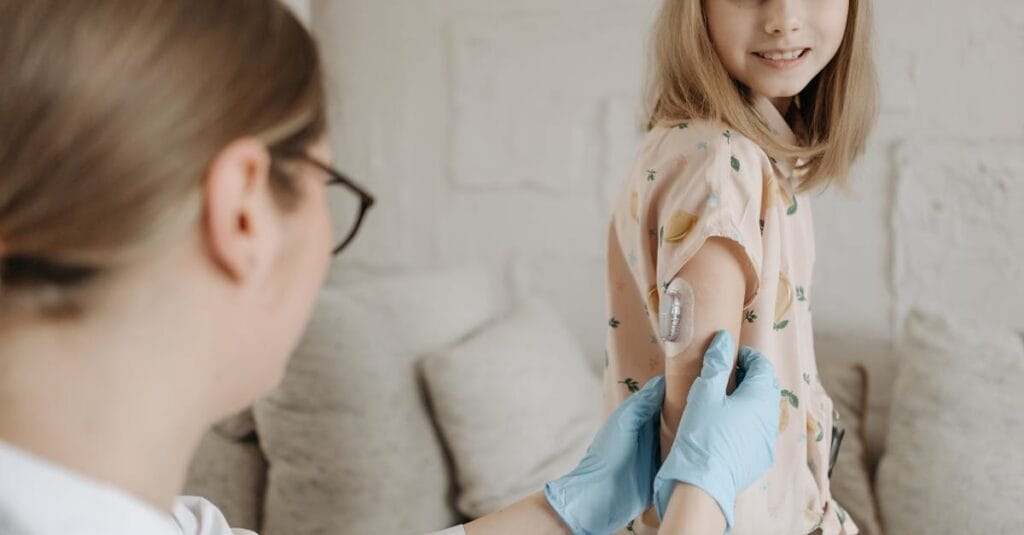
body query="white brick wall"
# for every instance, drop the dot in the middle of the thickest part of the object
(958, 234)
(938, 203)
(493, 131)
(498, 131)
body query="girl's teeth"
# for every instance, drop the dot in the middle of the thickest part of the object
(783, 56)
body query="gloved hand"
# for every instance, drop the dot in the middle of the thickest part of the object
(724, 443)
(613, 483)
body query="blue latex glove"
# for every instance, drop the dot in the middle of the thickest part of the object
(724, 443)
(613, 483)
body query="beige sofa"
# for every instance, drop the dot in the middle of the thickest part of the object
(416, 402)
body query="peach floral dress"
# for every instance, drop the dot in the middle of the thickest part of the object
(694, 180)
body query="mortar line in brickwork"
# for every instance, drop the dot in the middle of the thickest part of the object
(896, 156)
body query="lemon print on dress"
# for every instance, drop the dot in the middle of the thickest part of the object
(787, 400)
(773, 192)
(771, 189)
(653, 300)
(814, 429)
(679, 225)
(634, 206)
(783, 302)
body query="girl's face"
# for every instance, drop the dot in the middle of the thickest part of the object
(776, 47)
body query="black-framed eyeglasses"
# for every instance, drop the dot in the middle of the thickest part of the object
(347, 210)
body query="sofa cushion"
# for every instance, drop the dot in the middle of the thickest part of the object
(517, 405)
(347, 435)
(953, 462)
(846, 384)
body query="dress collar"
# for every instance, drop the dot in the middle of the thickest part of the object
(780, 128)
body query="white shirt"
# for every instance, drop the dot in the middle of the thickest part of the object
(38, 497)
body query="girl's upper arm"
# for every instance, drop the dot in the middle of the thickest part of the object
(718, 281)
(708, 212)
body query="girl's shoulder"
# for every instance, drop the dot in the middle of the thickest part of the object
(700, 136)
(701, 140)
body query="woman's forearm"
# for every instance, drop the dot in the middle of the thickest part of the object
(691, 511)
(529, 515)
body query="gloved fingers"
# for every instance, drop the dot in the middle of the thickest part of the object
(663, 488)
(759, 393)
(758, 378)
(648, 459)
(748, 356)
(702, 392)
(718, 362)
(642, 406)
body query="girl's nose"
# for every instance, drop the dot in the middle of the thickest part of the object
(783, 16)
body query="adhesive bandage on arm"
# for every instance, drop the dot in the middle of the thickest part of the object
(676, 317)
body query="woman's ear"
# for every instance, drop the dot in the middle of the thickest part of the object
(238, 211)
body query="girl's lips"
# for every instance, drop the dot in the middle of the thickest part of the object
(782, 59)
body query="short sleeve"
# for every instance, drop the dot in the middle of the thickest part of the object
(712, 185)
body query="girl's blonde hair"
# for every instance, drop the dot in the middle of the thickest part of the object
(110, 113)
(687, 80)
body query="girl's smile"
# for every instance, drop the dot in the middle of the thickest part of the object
(783, 58)
(776, 47)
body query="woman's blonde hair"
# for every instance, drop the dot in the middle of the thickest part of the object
(111, 111)
(687, 80)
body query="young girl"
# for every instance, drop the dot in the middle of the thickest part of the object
(753, 103)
